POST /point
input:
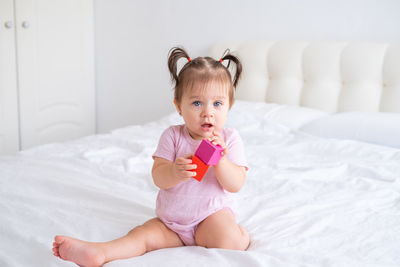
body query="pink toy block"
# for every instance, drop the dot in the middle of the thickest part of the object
(210, 154)
(206, 154)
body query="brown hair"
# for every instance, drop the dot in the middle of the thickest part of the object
(201, 71)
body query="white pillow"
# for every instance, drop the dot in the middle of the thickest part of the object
(372, 127)
(294, 116)
(255, 113)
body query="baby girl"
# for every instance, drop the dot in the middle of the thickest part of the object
(189, 212)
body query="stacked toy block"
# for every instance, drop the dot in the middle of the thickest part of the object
(206, 155)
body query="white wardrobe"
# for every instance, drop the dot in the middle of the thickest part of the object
(46, 72)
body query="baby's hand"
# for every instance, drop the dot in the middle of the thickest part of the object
(181, 168)
(217, 139)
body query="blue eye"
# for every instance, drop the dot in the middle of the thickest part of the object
(217, 103)
(196, 103)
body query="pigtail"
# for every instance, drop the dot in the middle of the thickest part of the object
(175, 54)
(236, 60)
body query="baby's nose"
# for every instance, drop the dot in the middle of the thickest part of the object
(207, 112)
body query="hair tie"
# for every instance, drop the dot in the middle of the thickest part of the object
(189, 59)
(224, 54)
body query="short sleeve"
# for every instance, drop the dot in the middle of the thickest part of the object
(166, 145)
(235, 145)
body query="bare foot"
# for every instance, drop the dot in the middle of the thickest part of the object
(80, 252)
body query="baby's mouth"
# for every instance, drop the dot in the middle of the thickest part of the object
(206, 126)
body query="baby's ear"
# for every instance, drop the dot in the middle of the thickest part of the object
(178, 109)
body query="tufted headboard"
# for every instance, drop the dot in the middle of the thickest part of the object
(330, 76)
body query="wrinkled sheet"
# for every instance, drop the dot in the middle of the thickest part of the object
(307, 201)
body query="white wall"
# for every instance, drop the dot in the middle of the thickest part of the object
(133, 38)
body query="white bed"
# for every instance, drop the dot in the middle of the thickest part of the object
(310, 199)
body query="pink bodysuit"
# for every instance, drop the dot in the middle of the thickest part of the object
(184, 206)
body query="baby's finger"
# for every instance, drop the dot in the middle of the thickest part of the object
(218, 141)
(215, 141)
(212, 138)
(190, 174)
(217, 134)
(182, 161)
(190, 167)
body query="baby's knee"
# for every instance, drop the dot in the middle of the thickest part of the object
(233, 241)
(232, 244)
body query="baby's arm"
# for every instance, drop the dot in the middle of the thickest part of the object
(167, 174)
(230, 176)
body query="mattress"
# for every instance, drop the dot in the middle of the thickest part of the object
(307, 200)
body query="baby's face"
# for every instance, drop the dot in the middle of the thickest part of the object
(204, 110)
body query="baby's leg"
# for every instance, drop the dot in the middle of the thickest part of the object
(220, 230)
(150, 236)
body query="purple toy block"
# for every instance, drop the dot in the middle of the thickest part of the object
(210, 154)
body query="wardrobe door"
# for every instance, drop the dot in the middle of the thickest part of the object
(56, 70)
(8, 80)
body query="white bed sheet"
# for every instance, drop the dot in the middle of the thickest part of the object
(308, 201)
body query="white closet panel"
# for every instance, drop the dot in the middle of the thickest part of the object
(46, 72)
(55, 66)
(8, 80)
